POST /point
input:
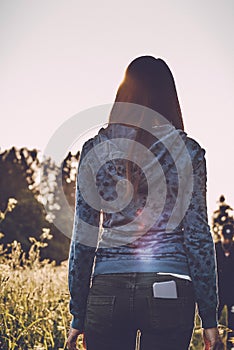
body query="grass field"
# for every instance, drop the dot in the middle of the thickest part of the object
(34, 300)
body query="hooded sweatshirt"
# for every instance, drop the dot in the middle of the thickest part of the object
(150, 193)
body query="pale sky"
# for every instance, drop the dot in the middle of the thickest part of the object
(60, 57)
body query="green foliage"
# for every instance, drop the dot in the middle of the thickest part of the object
(18, 169)
(39, 199)
(222, 218)
(10, 206)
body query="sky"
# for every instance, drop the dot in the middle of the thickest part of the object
(61, 57)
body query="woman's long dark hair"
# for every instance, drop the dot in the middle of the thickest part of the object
(149, 82)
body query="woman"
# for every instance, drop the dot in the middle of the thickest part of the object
(153, 259)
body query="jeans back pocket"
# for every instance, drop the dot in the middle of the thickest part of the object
(99, 313)
(171, 313)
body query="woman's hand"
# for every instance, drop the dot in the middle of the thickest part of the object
(72, 338)
(212, 339)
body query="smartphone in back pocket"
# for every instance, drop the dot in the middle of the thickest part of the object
(166, 290)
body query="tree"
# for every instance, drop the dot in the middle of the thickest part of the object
(222, 219)
(39, 199)
(17, 180)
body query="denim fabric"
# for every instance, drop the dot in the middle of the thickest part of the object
(120, 304)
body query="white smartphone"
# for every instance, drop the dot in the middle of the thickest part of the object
(166, 290)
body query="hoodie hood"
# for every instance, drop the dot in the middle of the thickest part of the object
(121, 141)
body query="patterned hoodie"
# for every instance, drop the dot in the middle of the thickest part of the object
(153, 220)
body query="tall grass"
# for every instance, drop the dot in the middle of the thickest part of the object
(33, 302)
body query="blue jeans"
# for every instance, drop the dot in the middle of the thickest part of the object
(121, 304)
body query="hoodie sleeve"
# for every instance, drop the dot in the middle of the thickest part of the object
(82, 250)
(200, 247)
